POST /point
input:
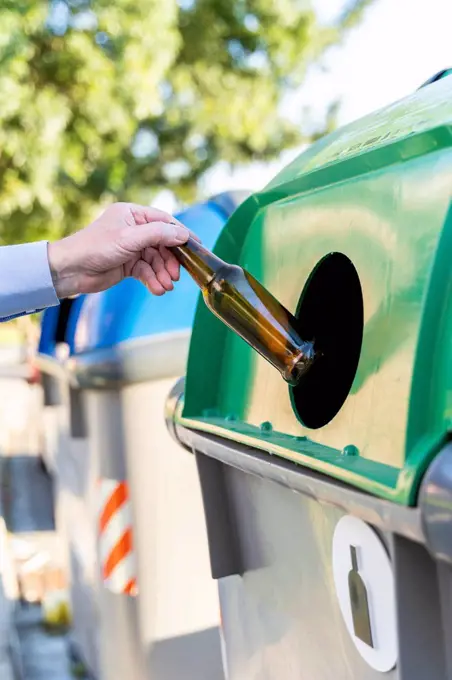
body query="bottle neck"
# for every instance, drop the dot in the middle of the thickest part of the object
(201, 264)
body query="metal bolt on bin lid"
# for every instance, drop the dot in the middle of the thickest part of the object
(350, 450)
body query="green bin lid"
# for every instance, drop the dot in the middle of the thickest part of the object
(371, 204)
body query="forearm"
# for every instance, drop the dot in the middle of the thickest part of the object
(126, 240)
(25, 279)
(64, 268)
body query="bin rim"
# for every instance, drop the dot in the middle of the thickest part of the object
(52, 366)
(132, 361)
(383, 514)
(428, 523)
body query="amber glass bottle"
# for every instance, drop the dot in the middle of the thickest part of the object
(249, 309)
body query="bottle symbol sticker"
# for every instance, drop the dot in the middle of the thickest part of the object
(359, 601)
(365, 590)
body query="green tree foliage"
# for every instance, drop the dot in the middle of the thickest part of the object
(104, 99)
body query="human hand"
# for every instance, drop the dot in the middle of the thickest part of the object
(126, 240)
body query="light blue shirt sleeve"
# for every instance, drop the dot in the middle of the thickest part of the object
(25, 280)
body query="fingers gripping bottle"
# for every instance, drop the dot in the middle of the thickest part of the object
(244, 305)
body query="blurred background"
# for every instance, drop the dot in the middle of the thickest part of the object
(166, 101)
(169, 101)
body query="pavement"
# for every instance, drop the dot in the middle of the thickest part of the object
(27, 495)
(44, 656)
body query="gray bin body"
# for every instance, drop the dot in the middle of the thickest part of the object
(271, 528)
(171, 629)
(54, 411)
(118, 645)
(178, 600)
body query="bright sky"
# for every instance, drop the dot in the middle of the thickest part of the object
(395, 49)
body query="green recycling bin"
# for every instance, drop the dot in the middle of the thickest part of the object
(329, 504)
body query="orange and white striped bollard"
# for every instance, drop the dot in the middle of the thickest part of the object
(116, 550)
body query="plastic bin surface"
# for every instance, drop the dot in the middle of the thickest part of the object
(49, 326)
(378, 192)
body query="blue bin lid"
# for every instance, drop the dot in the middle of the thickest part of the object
(50, 321)
(129, 311)
(71, 327)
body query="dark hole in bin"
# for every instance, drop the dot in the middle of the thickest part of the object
(331, 311)
(63, 316)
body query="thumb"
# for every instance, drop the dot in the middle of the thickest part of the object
(154, 234)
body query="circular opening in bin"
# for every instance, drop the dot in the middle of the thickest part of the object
(331, 311)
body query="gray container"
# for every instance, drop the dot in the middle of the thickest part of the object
(129, 348)
(271, 528)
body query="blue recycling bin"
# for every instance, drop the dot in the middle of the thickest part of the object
(143, 600)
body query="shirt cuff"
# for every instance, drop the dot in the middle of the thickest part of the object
(25, 279)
